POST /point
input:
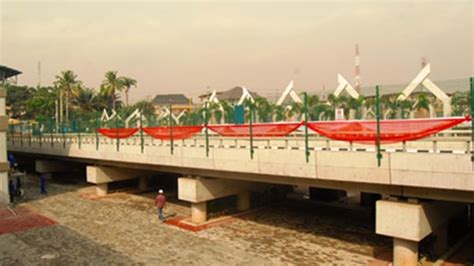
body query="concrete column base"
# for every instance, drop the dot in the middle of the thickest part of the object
(199, 212)
(102, 189)
(405, 252)
(243, 201)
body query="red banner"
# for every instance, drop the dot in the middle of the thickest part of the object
(258, 130)
(391, 131)
(179, 132)
(114, 133)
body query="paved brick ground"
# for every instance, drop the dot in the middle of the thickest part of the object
(124, 228)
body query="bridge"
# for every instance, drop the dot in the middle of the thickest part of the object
(423, 183)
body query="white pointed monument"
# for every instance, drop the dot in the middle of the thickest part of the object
(291, 92)
(422, 79)
(245, 95)
(345, 85)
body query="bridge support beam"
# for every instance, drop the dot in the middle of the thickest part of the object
(102, 175)
(410, 222)
(48, 166)
(198, 191)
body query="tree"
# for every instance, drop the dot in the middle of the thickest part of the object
(278, 113)
(65, 82)
(111, 86)
(263, 109)
(460, 103)
(391, 104)
(17, 97)
(356, 104)
(127, 84)
(228, 111)
(42, 103)
(84, 100)
(423, 102)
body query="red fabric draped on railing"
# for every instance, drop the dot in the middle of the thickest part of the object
(391, 131)
(114, 133)
(179, 132)
(258, 130)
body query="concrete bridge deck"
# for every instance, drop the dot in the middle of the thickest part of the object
(437, 167)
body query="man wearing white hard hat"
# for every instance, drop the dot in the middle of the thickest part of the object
(160, 202)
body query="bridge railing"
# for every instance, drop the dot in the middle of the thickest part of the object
(449, 141)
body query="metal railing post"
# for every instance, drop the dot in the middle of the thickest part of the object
(117, 132)
(251, 131)
(377, 115)
(306, 141)
(97, 126)
(170, 123)
(142, 141)
(206, 129)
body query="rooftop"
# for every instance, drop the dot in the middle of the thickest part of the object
(7, 72)
(164, 99)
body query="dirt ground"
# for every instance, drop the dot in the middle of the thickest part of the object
(124, 228)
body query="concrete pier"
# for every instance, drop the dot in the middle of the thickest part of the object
(4, 167)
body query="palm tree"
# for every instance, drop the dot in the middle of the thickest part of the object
(278, 113)
(391, 104)
(460, 103)
(83, 99)
(128, 83)
(263, 109)
(228, 111)
(356, 104)
(406, 107)
(423, 102)
(111, 85)
(65, 82)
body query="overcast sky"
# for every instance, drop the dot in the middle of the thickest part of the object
(189, 46)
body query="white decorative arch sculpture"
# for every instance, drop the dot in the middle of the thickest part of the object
(291, 92)
(422, 79)
(245, 95)
(345, 85)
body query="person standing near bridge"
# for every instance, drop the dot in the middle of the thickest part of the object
(43, 184)
(160, 202)
(11, 191)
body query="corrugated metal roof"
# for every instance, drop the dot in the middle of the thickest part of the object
(7, 72)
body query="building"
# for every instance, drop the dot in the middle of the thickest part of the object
(179, 103)
(232, 96)
(6, 74)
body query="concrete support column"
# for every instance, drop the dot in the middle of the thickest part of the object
(102, 189)
(142, 183)
(405, 252)
(243, 201)
(199, 212)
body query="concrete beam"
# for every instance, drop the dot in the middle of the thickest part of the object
(48, 166)
(4, 197)
(106, 174)
(204, 189)
(413, 221)
(3, 123)
(4, 166)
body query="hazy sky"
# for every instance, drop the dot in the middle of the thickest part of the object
(185, 47)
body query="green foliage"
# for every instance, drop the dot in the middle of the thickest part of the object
(461, 103)
(17, 97)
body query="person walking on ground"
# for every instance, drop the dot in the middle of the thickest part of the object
(43, 185)
(11, 190)
(160, 202)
